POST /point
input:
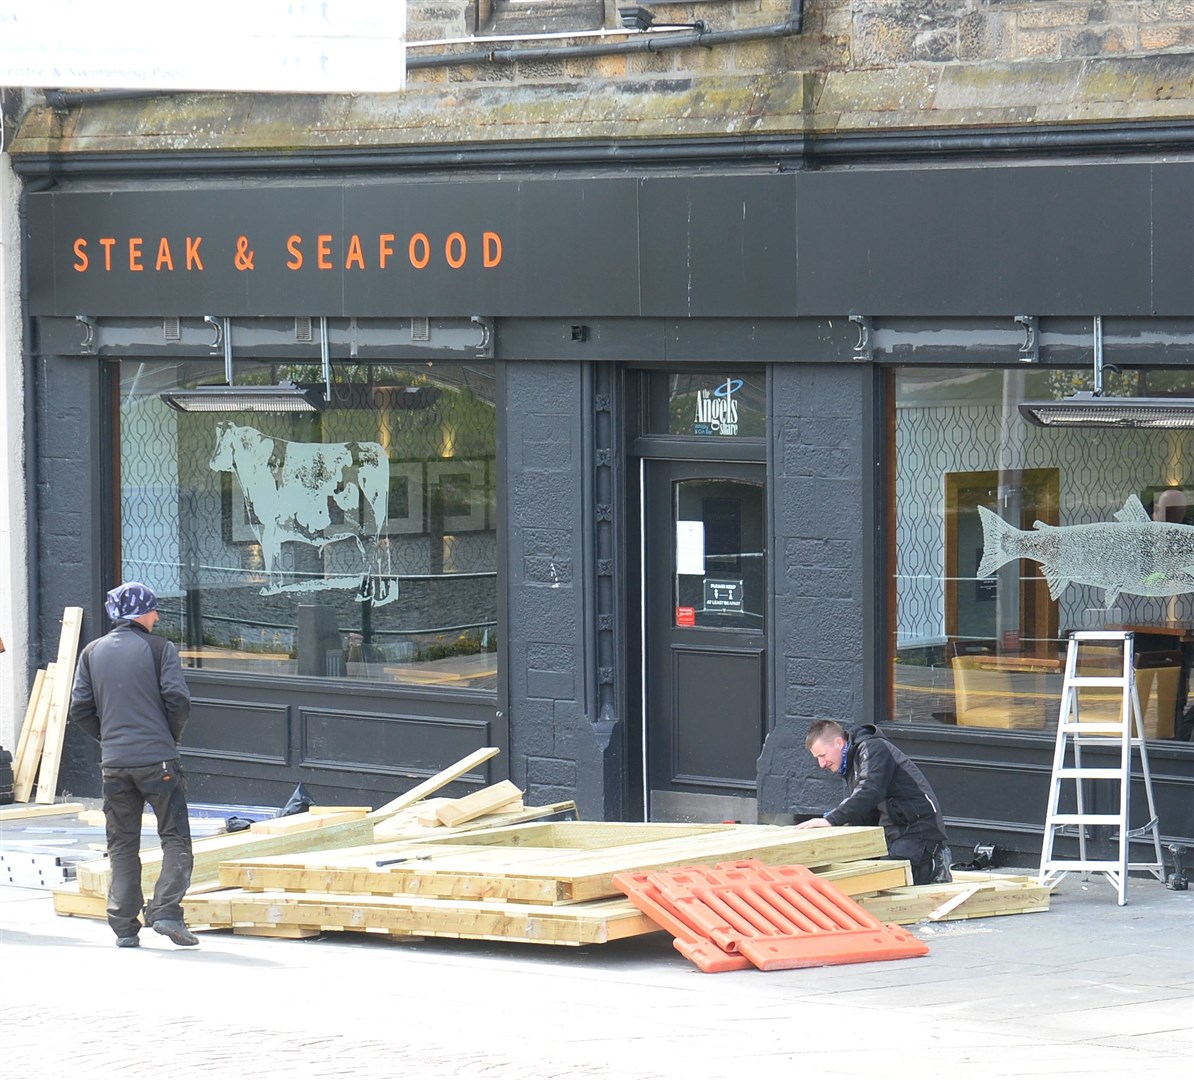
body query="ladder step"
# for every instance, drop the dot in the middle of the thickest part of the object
(1088, 774)
(1103, 866)
(1095, 680)
(1094, 727)
(1083, 819)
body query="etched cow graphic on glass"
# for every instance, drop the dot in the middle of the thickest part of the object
(319, 494)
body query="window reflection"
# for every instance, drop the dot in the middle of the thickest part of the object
(356, 543)
(1006, 537)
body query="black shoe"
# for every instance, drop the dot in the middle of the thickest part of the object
(132, 942)
(176, 930)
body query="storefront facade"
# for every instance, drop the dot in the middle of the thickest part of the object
(632, 473)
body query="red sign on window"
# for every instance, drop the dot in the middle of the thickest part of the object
(686, 616)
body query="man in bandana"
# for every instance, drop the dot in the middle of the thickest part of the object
(130, 695)
(886, 788)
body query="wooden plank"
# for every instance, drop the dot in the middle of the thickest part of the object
(22, 750)
(292, 932)
(51, 755)
(577, 924)
(36, 810)
(434, 783)
(868, 875)
(485, 801)
(22, 785)
(210, 851)
(296, 823)
(400, 827)
(339, 809)
(941, 910)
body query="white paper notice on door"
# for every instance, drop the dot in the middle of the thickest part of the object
(690, 547)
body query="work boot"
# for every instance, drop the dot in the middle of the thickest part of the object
(131, 942)
(176, 930)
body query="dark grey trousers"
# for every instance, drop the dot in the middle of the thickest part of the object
(126, 791)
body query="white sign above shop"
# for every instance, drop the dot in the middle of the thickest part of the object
(265, 46)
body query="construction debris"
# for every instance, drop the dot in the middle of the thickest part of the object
(424, 866)
(745, 913)
(39, 746)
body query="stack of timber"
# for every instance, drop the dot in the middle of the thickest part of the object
(39, 746)
(549, 883)
(500, 871)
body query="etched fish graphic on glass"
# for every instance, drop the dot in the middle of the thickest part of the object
(1132, 554)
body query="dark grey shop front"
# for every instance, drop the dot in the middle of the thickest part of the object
(672, 601)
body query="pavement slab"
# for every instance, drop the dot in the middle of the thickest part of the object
(1087, 989)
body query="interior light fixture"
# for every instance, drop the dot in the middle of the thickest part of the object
(1085, 409)
(1090, 409)
(285, 397)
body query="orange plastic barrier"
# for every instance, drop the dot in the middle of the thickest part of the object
(776, 917)
(645, 895)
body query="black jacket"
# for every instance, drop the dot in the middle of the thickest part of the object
(130, 694)
(886, 788)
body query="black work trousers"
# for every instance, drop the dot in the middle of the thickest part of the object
(930, 859)
(126, 791)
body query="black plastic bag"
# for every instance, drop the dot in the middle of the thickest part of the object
(299, 803)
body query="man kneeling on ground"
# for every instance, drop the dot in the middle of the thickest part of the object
(886, 788)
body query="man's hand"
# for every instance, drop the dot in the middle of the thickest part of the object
(814, 823)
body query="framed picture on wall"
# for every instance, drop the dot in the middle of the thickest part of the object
(239, 523)
(456, 495)
(404, 514)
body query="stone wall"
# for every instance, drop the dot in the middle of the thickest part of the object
(856, 65)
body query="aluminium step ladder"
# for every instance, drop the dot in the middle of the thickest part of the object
(1099, 730)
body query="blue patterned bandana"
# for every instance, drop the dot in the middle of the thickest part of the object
(131, 600)
(845, 760)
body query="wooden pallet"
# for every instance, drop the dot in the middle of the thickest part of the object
(971, 895)
(555, 924)
(547, 864)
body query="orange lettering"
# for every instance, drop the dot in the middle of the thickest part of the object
(81, 255)
(135, 243)
(492, 254)
(165, 258)
(293, 245)
(355, 255)
(107, 243)
(419, 261)
(193, 258)
(455, 260)
(383, 249)
(324, 251)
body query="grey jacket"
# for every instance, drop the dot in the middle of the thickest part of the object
(135, 706)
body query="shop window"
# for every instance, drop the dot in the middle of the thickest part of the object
(356, 543)
(1006, 536)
